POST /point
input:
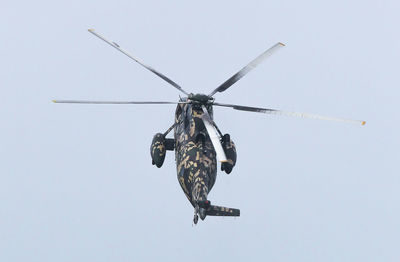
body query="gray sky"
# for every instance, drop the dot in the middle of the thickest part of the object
(76, 181)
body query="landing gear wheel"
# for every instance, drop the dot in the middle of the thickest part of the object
(195, 219)
(196, 216)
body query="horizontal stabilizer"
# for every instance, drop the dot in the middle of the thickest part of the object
(222, 211)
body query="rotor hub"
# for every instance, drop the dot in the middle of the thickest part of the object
(200, 98)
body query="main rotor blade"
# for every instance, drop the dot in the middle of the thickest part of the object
(297, 114)
(246, 69)
(116, 46)
(215, 139)
(115, 102)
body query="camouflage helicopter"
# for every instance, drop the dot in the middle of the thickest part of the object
(198, 141)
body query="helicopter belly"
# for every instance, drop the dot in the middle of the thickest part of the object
(196, 169)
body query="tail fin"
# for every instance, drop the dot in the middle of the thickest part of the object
(222, 211)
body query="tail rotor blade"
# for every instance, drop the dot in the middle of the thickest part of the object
(236, 77)
(116, 46)
(286, 113)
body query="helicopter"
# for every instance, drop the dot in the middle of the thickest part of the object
(198, 142)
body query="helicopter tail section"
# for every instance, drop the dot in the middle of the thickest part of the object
(204, 209)
(211, 210)
(222, 211)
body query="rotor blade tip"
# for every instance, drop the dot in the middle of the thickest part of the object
(90, 29)
(282, 44)
(54, 101)
(363, 123)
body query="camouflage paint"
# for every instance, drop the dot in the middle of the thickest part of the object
(196, 160)
(194, 153)
(230, 152)
(157, 150)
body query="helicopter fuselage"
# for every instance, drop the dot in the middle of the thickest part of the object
(195, 156)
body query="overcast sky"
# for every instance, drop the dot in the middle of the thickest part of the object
(76, 181)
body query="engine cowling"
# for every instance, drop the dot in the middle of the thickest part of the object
(230, 152)
(158, 150)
